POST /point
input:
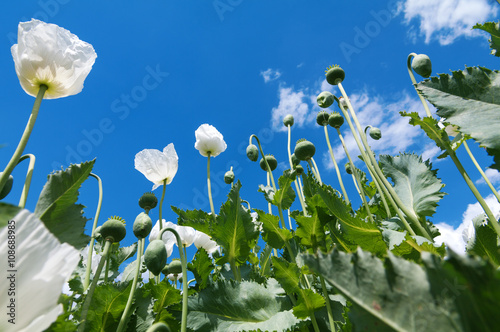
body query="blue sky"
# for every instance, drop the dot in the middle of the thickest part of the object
(165, 67)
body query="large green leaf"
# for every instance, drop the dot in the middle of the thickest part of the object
(201, 266)
(364, 234)
(108, 303)
(415, 182)
(272, 233)
(198, 219)
(143, 315)
(459, 294)
(410, 247)
(484, 242)
(469, 99)
(310, 229)
(246, 306)
(57, 206)
(234, 229)
(284, 196)
(494, 30)
(164, 296)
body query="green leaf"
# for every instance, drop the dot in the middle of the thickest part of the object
(265, 261)
(201, 266)
(484, 243)
(364, 234)
(307, 303)
(117, 257)
(459, 294)
(246, 306)
(7, 212)
(164, 295)
(57, 206)
(469, 99)
(198, 219)
(494, 30)
(272, 233)
(143, 316)
(108, 303)
(410, 247)
(234, 229)
(287, 274)
(284, 196)
(415, 182)
(310, 229)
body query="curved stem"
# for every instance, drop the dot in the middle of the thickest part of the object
(414, 81)
(488, 182)
(328, 305)
(317, 171)
(24, 138)
(88, 298)
(269, 205)
(344, 192)
(265, 160)
(27, 181)
(209, 185)
(182, 251)
(161, 204)
(92, 237)
(124, 318)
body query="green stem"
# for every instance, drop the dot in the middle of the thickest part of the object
(209, 185)
(161, 205)
(414, 81)
(410, 214)
(299, 192)
(314, 322)
(24, 138)
(317, 171)
(27, 181)
(106, 270)
(313, 170)
(328, 305)
(344, 192)
(265, 160)
(269, 205)
(92, 237)
(88, 298)
(488, 182)
(124, 318)
(182, 254)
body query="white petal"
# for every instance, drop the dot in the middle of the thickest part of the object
(156, 165)
(51, 55)
(209, 140)
(187, 235)
(43, 266)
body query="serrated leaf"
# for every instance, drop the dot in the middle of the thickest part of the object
(119, 256)
(364, 234)
(272, 233)
(287, 274)
(310, 229)
(265, 261)
(108, 303)
(459, 294)
(164, 295)
(484, 242)
(198, 219)
(469, 99)
(494, 30)
(234, 229)
(201, 266)
(56, 205)
(284, 196)
(143, 316)
(410, 247)
(307, 303)
(246, 306)
(7, 212)
(415, 182)
(430, 126)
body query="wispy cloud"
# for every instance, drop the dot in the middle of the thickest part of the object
(270, 75)
(492, 174)
(446, 20)
(453, 237)
(292, 102)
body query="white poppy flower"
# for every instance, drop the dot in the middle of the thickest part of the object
(53, 56)
(202, 240)
(187, 235)
(43, 265)
(156, 165)
(167, 237)
(209, 140)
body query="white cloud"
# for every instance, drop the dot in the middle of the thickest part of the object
(446, 20)
(454, 237)
(290, 102)
(270, 75)
(431, 151)
(492, 174)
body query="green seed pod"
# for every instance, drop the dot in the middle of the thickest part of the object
(295, 160)
(422, 65)
(322, 118)
(142, 225)
(325, 99)
(252, 152)
(288, 120)
(348, 168)
(375, 133)
(334, 75)
(299, 169)
(148, 201)
(304, 150)
(273, 163)
(114, 229)
(229, 176)
(336, 120)
(158, 327)
(155, 256)
(7, 187)
(175, 267)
